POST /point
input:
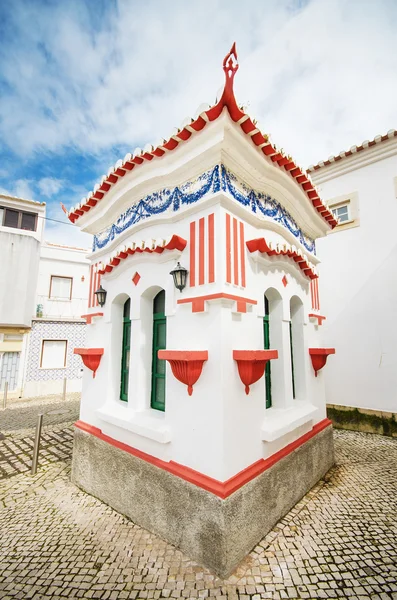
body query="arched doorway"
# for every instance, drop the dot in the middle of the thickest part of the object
(159, 340)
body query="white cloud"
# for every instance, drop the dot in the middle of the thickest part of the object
(49, 186)
(22, 188)
(67, 235)
(319, 75)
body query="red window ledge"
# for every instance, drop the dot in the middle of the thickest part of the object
(319, 357)
(91, 357)
(251, 364)
(90, 316)
(186, 365)
(320, 318)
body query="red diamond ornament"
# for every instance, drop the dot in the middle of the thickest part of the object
(136, 278)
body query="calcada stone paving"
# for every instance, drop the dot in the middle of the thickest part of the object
(340, 541)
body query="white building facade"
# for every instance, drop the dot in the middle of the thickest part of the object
(21, 234)
(58, 326)
(358, 289)
(198, 403)
(43, 295)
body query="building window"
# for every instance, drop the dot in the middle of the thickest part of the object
(9, 217)
(266, 345)
(61, 287)
(158, 343)
(297, 348)
(125, 355)
(341, 213)
(292, 360)
(53, 354)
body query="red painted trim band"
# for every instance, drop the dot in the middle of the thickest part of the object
(211, 245)
(218, 488)
(201, 250)
(228, 251)
(235, 251)
(198, 301)
(242, 254)
(192, 274)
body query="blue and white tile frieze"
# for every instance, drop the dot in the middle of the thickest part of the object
(212, 181)
(74, 333)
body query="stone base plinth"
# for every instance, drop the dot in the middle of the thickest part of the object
(363, 419)
(216, 532)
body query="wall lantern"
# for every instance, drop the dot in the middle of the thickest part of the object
(101, 295)
(180, 276)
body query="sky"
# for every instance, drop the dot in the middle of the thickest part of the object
(83, 82)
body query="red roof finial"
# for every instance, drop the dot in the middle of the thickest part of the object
(230, 66)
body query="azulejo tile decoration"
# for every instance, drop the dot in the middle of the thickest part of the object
(74, 333)
(214, 180)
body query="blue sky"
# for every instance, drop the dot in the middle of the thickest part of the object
(84, 82)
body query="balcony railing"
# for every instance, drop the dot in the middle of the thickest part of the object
(47, 308)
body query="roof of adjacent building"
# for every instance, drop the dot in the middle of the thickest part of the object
(353, 150)
(191, 128)
(63, 247)
(18, 199)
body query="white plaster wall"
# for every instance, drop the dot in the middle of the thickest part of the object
(65, 262)
(219, 430)
(18, 276)
(358, 288)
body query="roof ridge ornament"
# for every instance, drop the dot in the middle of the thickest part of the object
(230, 67)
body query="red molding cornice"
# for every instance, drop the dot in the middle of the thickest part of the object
(218, 488)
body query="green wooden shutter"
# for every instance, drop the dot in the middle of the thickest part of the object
(159, 343)
(266, 340)
(292, 360)
(125, 356)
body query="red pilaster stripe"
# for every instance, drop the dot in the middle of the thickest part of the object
(312, 292)
(235, 251)
(95, 303)
(218, 488)
(211, 244)
(192, 273)
(228, 251)
(99, 283)
(242, 254)
(201, 250)
(91, 283)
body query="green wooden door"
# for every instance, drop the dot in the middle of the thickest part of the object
(125, 356)
(292, 359)
(159, 343)
(266, 340)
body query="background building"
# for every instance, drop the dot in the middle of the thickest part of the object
(57, 326)
(358, 286)
(21, 233)
(43, 293)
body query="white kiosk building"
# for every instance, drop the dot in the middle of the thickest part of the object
(202, 417)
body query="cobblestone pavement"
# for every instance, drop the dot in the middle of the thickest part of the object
(16, 450)
(340, 541)
(22, 414)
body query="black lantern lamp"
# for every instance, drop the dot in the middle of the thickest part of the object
(101, 295)
(180, 276)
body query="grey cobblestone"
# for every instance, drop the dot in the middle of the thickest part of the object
(21, 415)
(340, 541)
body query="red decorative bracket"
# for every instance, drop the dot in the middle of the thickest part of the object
(314, 316)
(90, 316)
(319, 357)
(186, 365)
(251, 364)
(91, 357)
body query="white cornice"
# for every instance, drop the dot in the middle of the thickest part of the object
(357, 160)
(222, 141)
